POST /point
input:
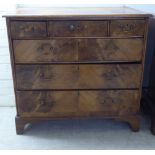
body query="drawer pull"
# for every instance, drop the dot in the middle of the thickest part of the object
(51, 48)
(45, 103)
(127, 28)
(46, 48)
(107, 101)
(45, 73)
(27, 28)
(72, 27)
(111, 46)
(45, 76)
(42, 102)
(110, 75)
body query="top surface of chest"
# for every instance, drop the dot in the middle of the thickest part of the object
(76, 12)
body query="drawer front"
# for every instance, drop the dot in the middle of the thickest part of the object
(78, 76)
(67, 103)
(78, 28)
(73, 50)
(109, 76)
(44, 103)
(28, 29)
(110, 49)
(127, 28)
(47, 76)
(29, 51)
(110, 102)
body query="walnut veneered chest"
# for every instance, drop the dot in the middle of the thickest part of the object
(83, 63)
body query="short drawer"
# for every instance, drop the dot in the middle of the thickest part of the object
(78, 76)
(56, 50)
(77, 50)
(28, 29)
(78, 28)
(44, 103)
(121, 28)
(77, 103)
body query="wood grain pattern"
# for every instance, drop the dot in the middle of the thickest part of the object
(78, 50)
(127, 28)
(103, 51)
(109, 76)
(46, 103)
(110, 49)
(46, 76)
(111, 102)
(55, 50)
(78, 76)
(28, 29)
(78, 28)
(53, 103)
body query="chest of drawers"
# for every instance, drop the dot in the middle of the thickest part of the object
(69, 64)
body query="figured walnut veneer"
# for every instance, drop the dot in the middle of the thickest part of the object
(77, 50)
(86, 76)
(70, 64)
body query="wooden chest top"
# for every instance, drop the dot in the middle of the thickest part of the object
(78, 12)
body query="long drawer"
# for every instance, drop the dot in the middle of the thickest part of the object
(77, 50)
(80, 76)
(68, 103)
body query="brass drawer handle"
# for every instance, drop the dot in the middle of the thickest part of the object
(111, 45)
(32, 29)
(127, 28)
(51, 48)
(41, 75)
(106, 101)
(45, 47)
(45, 76)
(27, 28)
(40, 49)
(45, 103)
(42, 102)
(72, 27)
(45, 72)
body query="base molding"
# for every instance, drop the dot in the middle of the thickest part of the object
(133, 121)
(21, 122)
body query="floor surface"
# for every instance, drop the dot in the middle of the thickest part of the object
(91, 134)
